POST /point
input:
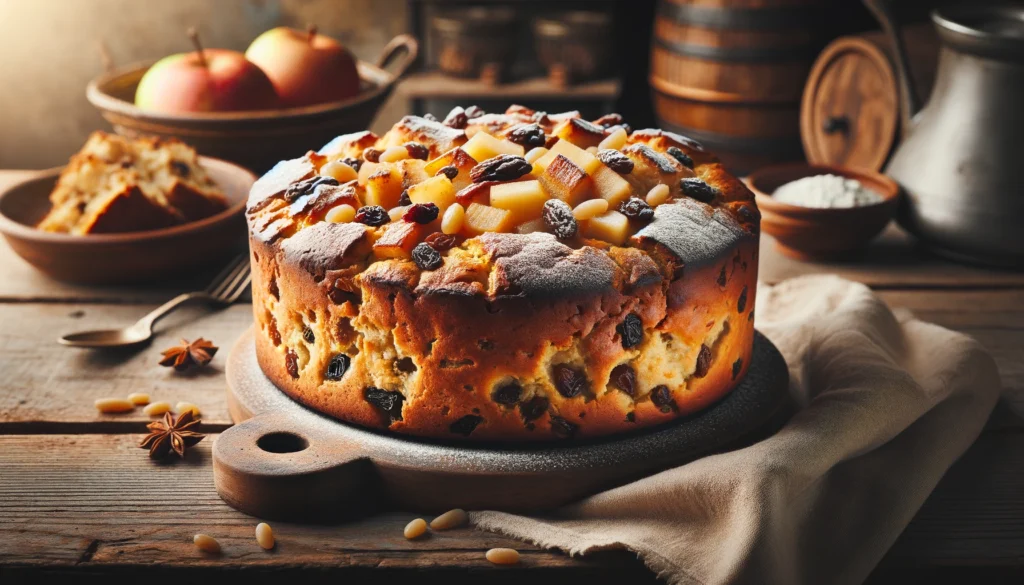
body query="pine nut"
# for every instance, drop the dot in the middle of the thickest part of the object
(535, 153)
(138, 398)
(657, 195)
(207, 544)
(592, 149)
(182, 407)
(264, 536)
(394, 154)
(450, 519)
(343, 213)
(453, 218)
(415, 529)
(590, 209)
(338, 170)
(396, 213)
(503, 556)
(615, 140)
(156, 408)
(114, 405)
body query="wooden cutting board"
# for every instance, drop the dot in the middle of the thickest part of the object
(284, 461)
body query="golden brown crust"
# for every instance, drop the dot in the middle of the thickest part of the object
(474, 349)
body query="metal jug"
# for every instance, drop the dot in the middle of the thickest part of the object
(961, 163)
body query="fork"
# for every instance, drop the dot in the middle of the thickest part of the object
(229, 285)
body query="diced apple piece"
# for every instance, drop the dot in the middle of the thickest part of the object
(398, 239)
(384, 187)
(437, 190)
(583, 159)
(483, 146)
(612, 227)
(564, 180)
(610, 186)
(368, 168)
(580, 132)
(534, 225)
(525, 199)
(457, 158)
(413, 171)
(484, 218)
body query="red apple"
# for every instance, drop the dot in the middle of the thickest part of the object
(306, 68)
(206, 80)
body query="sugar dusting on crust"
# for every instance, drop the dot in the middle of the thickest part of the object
(324, 246)
(694, 232)
(277, 180)
(539, 265)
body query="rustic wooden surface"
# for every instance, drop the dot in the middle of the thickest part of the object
(79, 500)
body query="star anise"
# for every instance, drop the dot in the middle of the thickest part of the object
(171, 434)
(189, 354)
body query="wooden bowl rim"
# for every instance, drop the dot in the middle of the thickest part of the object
(382, 81)
(890, 192)
(13, 228)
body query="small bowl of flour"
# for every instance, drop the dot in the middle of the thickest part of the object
(822, 212)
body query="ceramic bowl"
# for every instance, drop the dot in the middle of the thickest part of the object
(130, 257)
(258, 139)
(809, 233)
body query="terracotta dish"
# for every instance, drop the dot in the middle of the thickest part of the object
(123, 258)
(257, 139)
(809, 233)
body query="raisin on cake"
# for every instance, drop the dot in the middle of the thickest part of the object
(504, 277)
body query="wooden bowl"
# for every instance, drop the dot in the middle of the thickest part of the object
(809, 233)
(257, 139)
(131, 257)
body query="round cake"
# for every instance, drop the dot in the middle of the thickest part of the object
(504, 277)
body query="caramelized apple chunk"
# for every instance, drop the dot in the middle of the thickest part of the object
(384, 186)
(565, 180)
(524, 199)
(437, 190)
(483, 146)
(457, 158)
(484, 218)
(580, 133)
(611, 227)
(398, 239)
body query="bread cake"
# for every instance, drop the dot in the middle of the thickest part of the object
(116, 184)
(504, 277)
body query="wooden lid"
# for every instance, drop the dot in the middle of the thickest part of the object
(850, 111)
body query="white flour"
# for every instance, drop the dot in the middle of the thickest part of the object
(826, 191)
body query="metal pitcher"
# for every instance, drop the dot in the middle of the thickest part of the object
(962, 161)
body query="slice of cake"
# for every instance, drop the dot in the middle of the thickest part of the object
(116, 184)
(504, 277)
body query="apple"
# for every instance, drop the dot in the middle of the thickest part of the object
(206, 80)
(306, 68)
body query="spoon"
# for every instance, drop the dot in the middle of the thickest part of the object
(225, 289)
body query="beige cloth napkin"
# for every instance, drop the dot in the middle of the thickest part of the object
(887, 404)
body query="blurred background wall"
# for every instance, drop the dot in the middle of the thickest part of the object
(50, 49)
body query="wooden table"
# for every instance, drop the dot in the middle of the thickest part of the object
(77, 495)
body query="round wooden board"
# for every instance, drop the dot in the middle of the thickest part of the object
(284, 461)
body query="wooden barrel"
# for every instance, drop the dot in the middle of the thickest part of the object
(851, 105)
(730, 73)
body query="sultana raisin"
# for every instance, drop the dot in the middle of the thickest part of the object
(741, 305)
(308, 336)
(609, 120)
(421, 213)
(426, 257)
(661, 396)
(558, 216)
(291, 363)
(636, 208)
(404, 199)
(456, 118)
(678, 154)
(504, 167)
(616, 161)
(181, 169)
(474, 112)
(372, 215)
(533, 408)
(417, 150)
(623, 377)
(528, 135)
(355, 163)
(697, 189)
(465, 425)
(307, 186)
(372, 155)
(562, 427)
(631, 330)
(736, 367)
(337, 367)
(569, 381)
(507, 394)
(703, 362)
(390, 403)
(441, 242)
(449, 171)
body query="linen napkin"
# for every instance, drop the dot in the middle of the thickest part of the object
(886, 404)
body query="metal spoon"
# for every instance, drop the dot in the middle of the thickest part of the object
(225, 289)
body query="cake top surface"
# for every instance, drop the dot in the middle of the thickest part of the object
(547, 198)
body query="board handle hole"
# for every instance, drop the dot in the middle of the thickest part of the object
(282, 442)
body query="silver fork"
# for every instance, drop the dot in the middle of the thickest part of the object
(230, 284)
